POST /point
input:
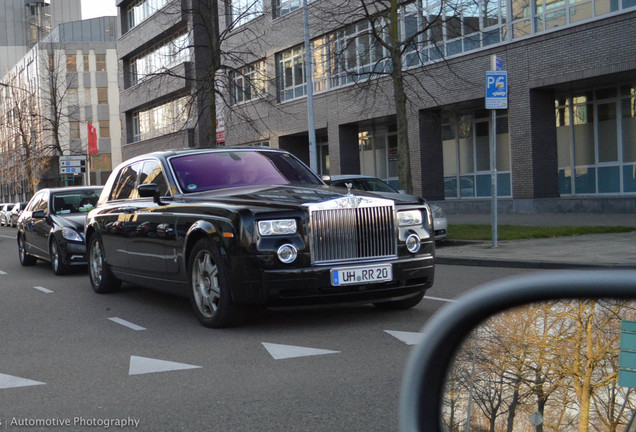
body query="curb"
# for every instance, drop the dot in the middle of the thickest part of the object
(545, 265)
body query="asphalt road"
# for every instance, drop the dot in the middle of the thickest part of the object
(72, 360)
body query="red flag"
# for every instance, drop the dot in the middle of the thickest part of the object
(92, 139)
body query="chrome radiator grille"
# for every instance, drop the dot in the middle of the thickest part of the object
(353, 233)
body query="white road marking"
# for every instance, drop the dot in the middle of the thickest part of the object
(44, 290)
(439, 299)
(279, 352)
(8, 381)
(409, 338)
(127, 324)
(2, 273)
(145, 365)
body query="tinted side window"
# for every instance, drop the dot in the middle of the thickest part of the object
(124, 186)
(153, 173)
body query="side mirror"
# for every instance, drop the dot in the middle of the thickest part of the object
(448, 349)
(326, 179)
(38, 214)
(150, 190)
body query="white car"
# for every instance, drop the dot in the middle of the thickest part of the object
(374, 184)
(5, 213)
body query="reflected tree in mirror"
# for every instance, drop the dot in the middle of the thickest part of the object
(543, 367)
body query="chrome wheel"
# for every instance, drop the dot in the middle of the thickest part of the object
(205, 284)
(96, 262)
(55, 256)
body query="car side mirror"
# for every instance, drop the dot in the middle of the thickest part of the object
(150, 190)
(38, 214)
(441, 384)
(326, 179)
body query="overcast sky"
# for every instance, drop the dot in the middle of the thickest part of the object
(98, 8)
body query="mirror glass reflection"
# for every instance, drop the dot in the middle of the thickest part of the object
(550, 366)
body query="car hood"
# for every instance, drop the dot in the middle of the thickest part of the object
(286, 196)
(72, 220)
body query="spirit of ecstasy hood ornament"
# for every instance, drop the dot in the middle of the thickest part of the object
(349, 186)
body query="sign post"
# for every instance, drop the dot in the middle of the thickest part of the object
(496, 98)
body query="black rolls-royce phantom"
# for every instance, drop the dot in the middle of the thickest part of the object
(237, 227)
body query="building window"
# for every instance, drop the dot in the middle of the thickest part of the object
(104, 129)
(466, 156)
(164, 56)
(100, 62)
(86, 62)
(139, 11)
(71, 63)
(283, 7)
(291, 74)
(243, 11)
(596, 141)
(102, 96)
(74, 130)
(248, 83)
(162, 120)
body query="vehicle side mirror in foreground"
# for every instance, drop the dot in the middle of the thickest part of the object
(524, 352)
(38, 214)
(326, 179)
(150, 190)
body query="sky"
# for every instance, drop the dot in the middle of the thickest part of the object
(98, 8)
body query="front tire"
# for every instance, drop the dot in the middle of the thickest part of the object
(102, 279)
(407, 303)
(25, 258)
(59, 268)
(210, 293)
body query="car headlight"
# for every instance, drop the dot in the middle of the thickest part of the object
(71, 234)
(277, 227)
(410, 218)
(438, 212)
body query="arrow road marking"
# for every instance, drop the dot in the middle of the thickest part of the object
(145, 365)
(8, 381)
(279, 352)
(44, 290)
(126, 323)
(409, 338)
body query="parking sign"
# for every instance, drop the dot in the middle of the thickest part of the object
(496, 90)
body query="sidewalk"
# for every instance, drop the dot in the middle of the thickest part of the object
(591, 251)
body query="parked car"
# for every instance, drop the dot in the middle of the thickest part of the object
(51, 227)
(376, 185)
(499, 340)
(236, 227)
(5, 213)
(15, 213)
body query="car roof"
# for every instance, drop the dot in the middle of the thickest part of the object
(71, 188)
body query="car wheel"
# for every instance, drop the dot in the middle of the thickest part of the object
(59, 268)
(210, 288)
(25, 258)
(102, 279)
(401, 304)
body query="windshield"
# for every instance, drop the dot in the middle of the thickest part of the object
(74, 201)
(218, 170)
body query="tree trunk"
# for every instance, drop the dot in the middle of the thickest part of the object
(399, 96)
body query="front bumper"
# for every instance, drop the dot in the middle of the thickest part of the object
(312, 286)
(73, 253)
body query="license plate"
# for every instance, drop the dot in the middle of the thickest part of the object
(361, 274)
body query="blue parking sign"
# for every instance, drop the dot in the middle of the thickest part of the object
(496, 90)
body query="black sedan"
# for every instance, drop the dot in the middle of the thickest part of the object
(51, 227)
(237, 227)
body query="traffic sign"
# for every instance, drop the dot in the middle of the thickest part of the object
(72, 164)
(496, 90)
